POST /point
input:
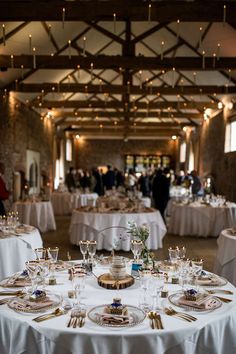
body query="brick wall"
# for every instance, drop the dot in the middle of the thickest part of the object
(22, 129)
(89, 153)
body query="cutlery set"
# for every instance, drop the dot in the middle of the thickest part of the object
(77, 319)
(181, 315)
(155, 320)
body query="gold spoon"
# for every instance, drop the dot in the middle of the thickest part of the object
(57, 312)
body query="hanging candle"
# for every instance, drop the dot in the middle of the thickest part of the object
(34, 58)
(229, 71)
(30, 44)
(200, 38)
(214, 60)
(63, 17)
(69, 48)
(22, 71)
(114, 22)
(78, 68)
(91, 72)
(194, 78)
(149, 12)
(182, 85)
(49, 31)
(140, 79)
(3, 34)
(203, 59)
(173, 78)
(16, 84)
(218, 52)
(12, 61)
(162, 47)
(128, 86)
(100, 85)
(84, 45)
(178, 104)
(224, 14)
(178, 30)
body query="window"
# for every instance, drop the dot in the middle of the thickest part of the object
(230, 137)
(182, 155)
(68, 150)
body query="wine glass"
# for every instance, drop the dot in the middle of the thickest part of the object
(197, 265)
(92, 247)
(136, 247)
(83, 249)
(181, 252)
(173, 254)
(43, 271)
(53, 255)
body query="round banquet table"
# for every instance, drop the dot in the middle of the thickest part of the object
(61, 203)
(16, 250)
(225, 262)
(212, 333)
(197, 219)
(38, 214)
(102, 228)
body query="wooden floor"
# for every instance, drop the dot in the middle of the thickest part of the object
(196, 246)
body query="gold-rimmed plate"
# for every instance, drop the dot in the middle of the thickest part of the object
(175, 298)
(135, 315)
(25, 305)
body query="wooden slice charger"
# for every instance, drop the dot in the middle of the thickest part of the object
(107, 281)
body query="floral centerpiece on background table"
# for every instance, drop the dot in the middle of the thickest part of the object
(141, 233)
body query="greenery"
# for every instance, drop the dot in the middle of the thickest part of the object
(141, 233)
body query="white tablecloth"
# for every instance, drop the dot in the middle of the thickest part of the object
(225, 262)
(16, 250)
(201, 220)
(212, 333)
(100, 226)
(38, 214)
(84, 199)
(61, 203)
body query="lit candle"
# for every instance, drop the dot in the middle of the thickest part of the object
(84, 45)
(162, 47)
(30, 43)
(4, 34)
(114, 22)
(78, 68)
(194, 78)
(218, 52)
(91, 71)
(151, 88)
(12, 61)
(22, 71)
(69, 48)
(128, 86)
(203, 59)
(63, 17)
(173, 77)
(34, 58)
(224, 14)
(16, 84)
(214, 60)
(182, 85)
(229, 71)
(100, 85)
(226, 88)
(200, 38)
(178, 30)
(149, 12)
(49, 31)
(140, 79)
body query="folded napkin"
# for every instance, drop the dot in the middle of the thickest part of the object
(113, 319)
(204, 302)
(16, 281)
(208, 281)
(23, 304)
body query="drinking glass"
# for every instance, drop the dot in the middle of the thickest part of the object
(92, 247)
(41, 253)
(136, 247)
(197, 265)
(53, 253)
(83, 249)
(145, 276)
(33, 270)
(173, 254)
(181, 252)
(43, 271)
(79, 286)
(157, 284)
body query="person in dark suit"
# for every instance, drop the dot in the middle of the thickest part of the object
(109, 178)
(70, 180)
(4, 193)
(161, 190)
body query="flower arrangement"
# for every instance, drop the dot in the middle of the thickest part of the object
(141, 233)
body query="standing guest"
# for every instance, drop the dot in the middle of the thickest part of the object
(131, 180)
(109, 178)
(161, 190)
(98, 185)
(70, 180)
(4, 193)
(195, 183)
(144, 184)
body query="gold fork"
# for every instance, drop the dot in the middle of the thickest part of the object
(184, 316)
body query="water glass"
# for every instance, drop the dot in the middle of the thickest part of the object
(92, 247)
(197, 266)
(173, 254)
(41, 253)
(83, 249)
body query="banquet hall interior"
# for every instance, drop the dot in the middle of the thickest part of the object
(118, 130)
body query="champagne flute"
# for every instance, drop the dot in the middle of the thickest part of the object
(92, 247)
(53, 255)
(32, 268)
(83, 249)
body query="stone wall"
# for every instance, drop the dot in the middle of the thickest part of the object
(22, 129)
(212, 160)
(89, 153)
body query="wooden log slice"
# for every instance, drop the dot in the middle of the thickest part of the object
(108, 282)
